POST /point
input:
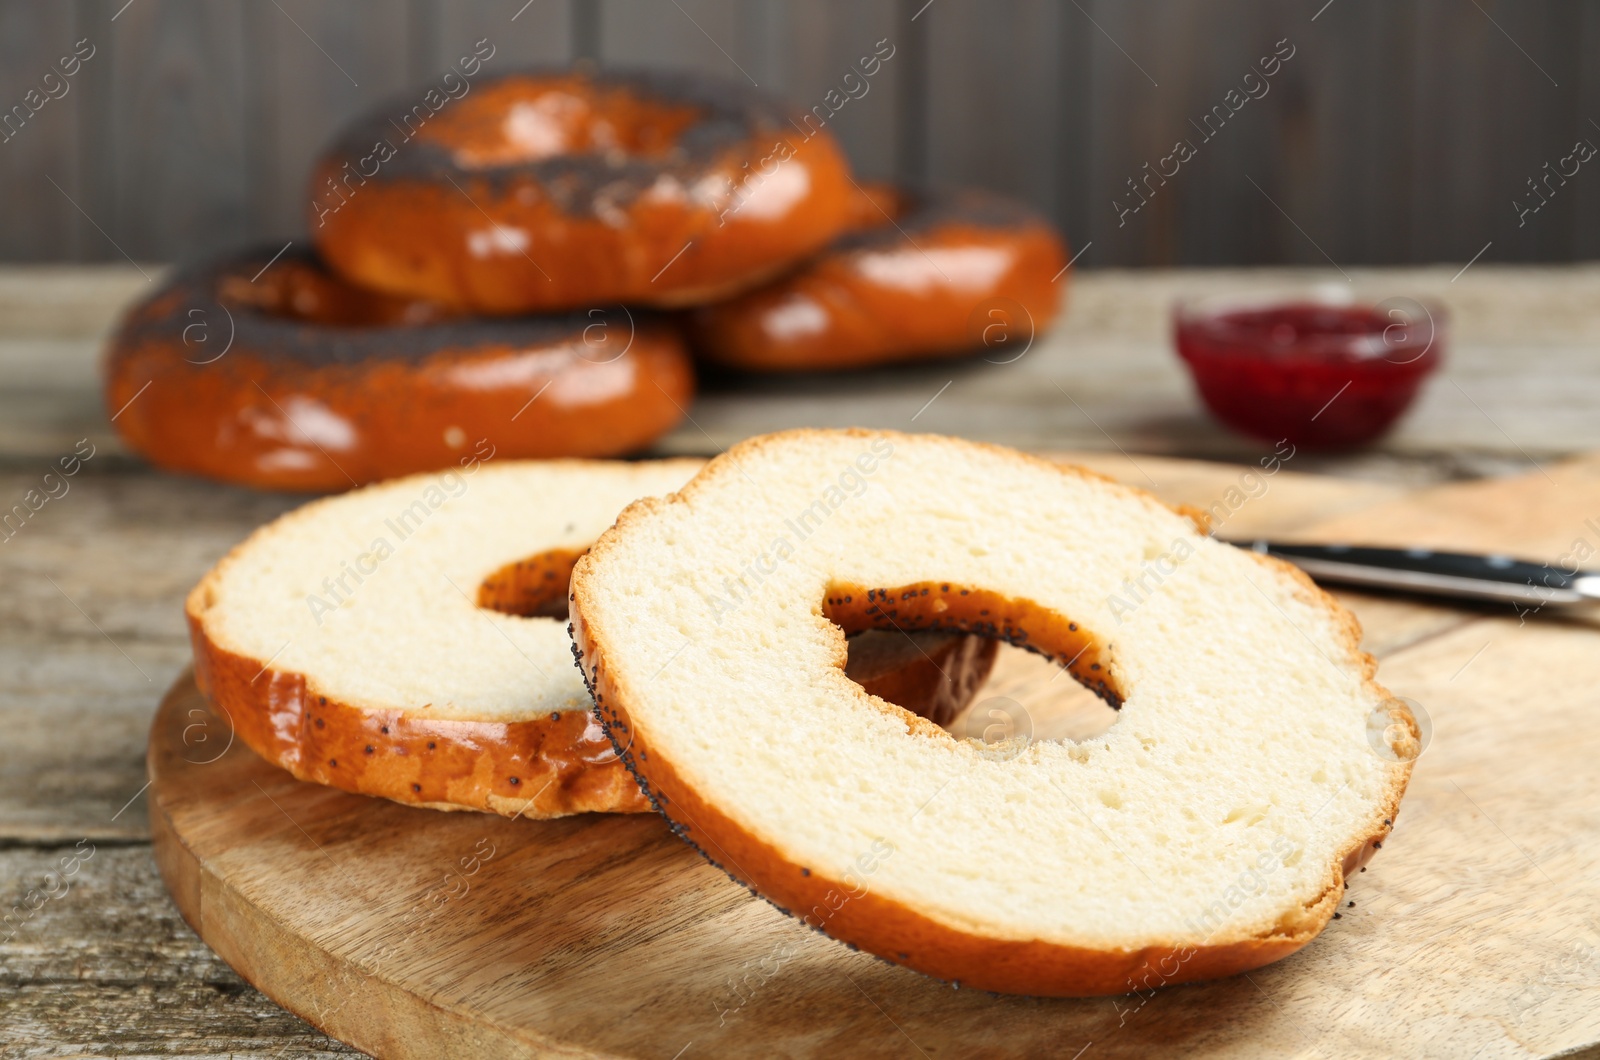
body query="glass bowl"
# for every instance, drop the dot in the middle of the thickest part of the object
(1320, 367)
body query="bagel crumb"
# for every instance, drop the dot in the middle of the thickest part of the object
(1161, 671)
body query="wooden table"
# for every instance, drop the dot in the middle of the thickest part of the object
(91, 630)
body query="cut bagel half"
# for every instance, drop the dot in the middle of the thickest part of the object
(409, 640)
(1207, 832)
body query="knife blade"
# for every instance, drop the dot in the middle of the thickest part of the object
(1457, 575)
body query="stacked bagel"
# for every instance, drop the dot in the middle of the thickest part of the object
(526, 265)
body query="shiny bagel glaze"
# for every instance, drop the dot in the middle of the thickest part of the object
(546, 766)
(923, 276)
(284, 377)
(545, 190)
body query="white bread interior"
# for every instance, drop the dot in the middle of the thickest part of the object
(403, 630)
(1224, 804)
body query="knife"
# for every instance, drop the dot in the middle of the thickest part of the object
(1454, 574)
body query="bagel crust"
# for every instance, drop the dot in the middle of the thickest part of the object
(552, 765)
(651, 188)
(863, 897)
(298, 381)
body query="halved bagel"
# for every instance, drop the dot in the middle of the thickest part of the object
(1207, 832)
(408, 640)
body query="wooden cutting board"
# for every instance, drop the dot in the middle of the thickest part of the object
(1475, 933)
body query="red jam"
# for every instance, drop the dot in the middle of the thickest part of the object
(1322, 375)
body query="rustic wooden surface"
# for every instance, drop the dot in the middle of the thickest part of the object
(109, 968)
(1398, 132)
(414, 934)
(1520, 382)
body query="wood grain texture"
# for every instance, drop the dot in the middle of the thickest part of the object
(172, 160)
(994, 97)
(92, 622)
(539, 33)
(39, 145)
(1348, 133)
(723, 38)
(1586, 211)
(1518, 384)
(406, 933)
(1514, 122)
(110, 968)
(1399, 133)
(818, 44)
(320, 65)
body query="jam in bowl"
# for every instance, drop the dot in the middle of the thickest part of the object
(1322, 368)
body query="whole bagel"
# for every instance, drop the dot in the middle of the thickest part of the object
(546, 190)
(924, 275)
(284, 377)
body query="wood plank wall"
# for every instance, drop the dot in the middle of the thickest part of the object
(1398, 131)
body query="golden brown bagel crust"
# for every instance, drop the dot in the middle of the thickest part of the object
(542, 766)
(652, 188)
(551, 765)
(324, 386)
(896, 931)
(880, 294)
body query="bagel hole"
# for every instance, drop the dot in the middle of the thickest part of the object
(535, 587)
(1031, 648)
(1056, 707)
(933, 675)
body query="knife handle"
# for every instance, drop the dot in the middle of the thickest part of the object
(1455, 574)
